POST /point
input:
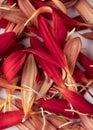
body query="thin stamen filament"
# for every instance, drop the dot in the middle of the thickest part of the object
(37, 12)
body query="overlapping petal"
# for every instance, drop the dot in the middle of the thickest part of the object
(51, 68)
(51, 42)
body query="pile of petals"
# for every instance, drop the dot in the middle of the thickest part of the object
(43, 68)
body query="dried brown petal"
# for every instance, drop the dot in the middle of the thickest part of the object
(85, 11)
(71, 50)
(87, 122)
(26, 7)
(29, 81)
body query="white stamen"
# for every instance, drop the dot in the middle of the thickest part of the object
(32, 90)
(24, 119)
(7, 8)
(70, 33)
(91, 65)
(67, 123)
(44, 120)
(80, 113)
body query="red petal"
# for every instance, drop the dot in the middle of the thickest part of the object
(6, 40)
(12, 64)
(70, 23)
(57, 106)
(77, 101)
(60, 32)
(3, 23)
(38, 48)
(37, 3)
(11, 49)
(79, 76)
(10, 118)
(79, 19)
(11, 1)
(52, 71)
(86, 63)
(46, 61)
(50, 42)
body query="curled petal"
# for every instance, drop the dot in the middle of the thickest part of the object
(60, 5)
(13, 64)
